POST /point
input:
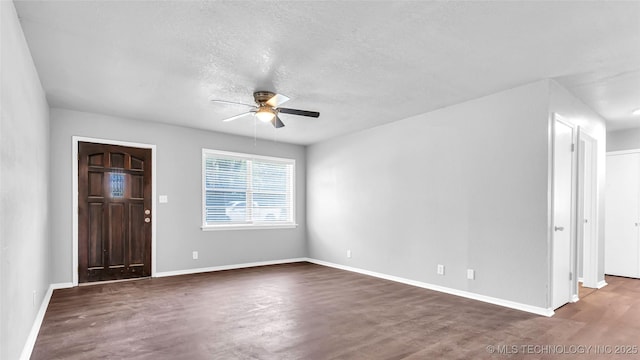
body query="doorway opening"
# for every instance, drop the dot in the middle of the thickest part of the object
(587, 219)
(114, 215)
(573, 230)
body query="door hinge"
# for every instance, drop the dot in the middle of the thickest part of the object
(570, 276)
(573, 147)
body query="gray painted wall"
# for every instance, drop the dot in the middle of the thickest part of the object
(628, 139)
(24, 188)
(464, 186)
(178, 166)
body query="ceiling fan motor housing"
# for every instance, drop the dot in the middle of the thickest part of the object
(261, 97)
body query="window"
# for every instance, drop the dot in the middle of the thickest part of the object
(246, 191)
(117, 184)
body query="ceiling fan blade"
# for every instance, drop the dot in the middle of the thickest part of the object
(314, 114)
(276, 122)
(277, 100)
(238, 116)
(229, 102)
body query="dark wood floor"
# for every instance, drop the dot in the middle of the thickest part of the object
(307, 311)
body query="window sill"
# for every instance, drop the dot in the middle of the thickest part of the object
(248, 227)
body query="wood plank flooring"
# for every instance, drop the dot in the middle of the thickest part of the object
(307, 311)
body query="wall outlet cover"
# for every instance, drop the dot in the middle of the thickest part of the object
(471, 274)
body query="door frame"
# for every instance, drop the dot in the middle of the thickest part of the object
(573, 296)
(589, 249)
(75, 140)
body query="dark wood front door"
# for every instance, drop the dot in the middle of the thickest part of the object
(114, 204)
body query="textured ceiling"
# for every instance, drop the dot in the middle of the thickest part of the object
(360, 64)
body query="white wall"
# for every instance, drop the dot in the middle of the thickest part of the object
(24, 189)
(627, 139)
(570, 108)
(178, 165)
(464, 186)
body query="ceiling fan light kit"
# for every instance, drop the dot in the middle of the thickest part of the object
(267, 108)
(265, 114)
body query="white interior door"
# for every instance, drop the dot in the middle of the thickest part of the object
(621, 215)
(562, 210)
(587, 220)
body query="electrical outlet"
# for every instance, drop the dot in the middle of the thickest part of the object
(471, 274)
(195, 255)
(440, 269)
(348, 253)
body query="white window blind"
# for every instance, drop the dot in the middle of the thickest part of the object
(244, 190)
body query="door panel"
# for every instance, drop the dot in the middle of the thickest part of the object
(117, 160)
(95, 236)
(114, 188)
(137, 187)
(96, 159)
(95, 184)
(562, 211)
(116, 234)
(136, 249)
(622, 215)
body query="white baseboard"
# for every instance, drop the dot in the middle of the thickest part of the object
(35, 329)
(488, 299)
(61, 286)
(590, 285)
(228, 267)
(601, 284)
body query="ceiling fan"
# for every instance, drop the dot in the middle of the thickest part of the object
(267, 108)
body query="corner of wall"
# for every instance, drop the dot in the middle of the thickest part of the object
(24, 228)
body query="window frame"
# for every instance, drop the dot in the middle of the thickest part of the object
(249, 225)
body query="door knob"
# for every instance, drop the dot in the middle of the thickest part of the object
(147, 220)
(558, 228)
(147, 211)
